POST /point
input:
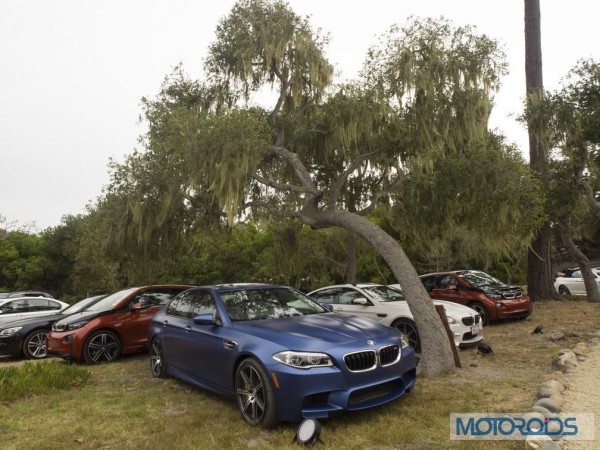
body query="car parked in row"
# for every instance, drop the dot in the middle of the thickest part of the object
(115, 325)
(570, 281)
(12, 309)
(386, 304)
(27, 337)
(492, 299)
(278, 353)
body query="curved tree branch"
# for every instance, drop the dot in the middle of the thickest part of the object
(301, 171)
(279, 186)
(341, 181)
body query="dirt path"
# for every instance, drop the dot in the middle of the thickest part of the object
(584, 396)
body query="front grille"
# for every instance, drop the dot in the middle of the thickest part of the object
(515, 293)
(357, 362)
(468, 336)
(389, 355)
(468, 320)
(374, 392)
(319, 399)
(477, 318)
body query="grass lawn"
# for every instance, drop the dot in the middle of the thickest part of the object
(122, 406)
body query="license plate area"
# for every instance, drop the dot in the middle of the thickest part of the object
(475, 329)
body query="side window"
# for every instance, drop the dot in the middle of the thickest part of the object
(203, 303)
(38, 304)
(325, 296)
(154, 297)
(181, 306)
(346, 296)
(14, 307)
(53, 305)
(576, 274)
(429, 283)
(447, 281)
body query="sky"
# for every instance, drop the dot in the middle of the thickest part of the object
(72, 73)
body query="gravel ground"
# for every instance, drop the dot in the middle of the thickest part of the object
(584, 396)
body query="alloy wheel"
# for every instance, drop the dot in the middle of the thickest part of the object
(250, 394)
(36, 345)
(103, 348)
(480, 309)
(410, 333)
(156, 362)
(563, 290)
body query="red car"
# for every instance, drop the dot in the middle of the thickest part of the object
(115, 325)
(491, 298)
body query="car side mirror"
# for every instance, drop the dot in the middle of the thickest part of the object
(327, 306)
(361, 301)
(137, 306)
(205, 319)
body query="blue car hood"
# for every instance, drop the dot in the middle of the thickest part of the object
(314, 332)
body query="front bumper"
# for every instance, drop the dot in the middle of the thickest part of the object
(63, 344)
(464, 335)
(514, 308)
(11, 345)
(319, 392)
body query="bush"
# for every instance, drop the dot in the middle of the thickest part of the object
(39, 378)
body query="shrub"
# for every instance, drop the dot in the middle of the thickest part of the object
(39, 378)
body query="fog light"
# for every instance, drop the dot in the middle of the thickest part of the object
(499, 305)
(68, 339)
(308, 432)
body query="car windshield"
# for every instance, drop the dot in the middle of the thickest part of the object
(385, 293)
(268, 303)
(112, 300)
(4, 294)
(81, 305)
(481, 279)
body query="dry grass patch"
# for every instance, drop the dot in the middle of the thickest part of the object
(123, 406)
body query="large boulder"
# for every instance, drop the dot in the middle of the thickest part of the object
(546, 392)
(551, 404)
(557, 336)
(581, 349)
(553, 384)
(567, 361)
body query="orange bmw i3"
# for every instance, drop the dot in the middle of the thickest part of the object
(118, 324)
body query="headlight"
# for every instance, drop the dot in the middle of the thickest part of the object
(76, 325)
(451, 320)
(303, 360)
(9, 331)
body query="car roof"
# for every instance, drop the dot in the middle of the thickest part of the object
(357, 285)
(242, 286)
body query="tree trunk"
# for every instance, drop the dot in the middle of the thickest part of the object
(539, 264)
(351, 258)
(591, 287)
(436, 355)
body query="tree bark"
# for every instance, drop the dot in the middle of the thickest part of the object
(539, 264)
(351, 258)
(591, 287)
(436, 355)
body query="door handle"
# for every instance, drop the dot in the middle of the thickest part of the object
(229, 345)
(381, 315)
(188, 329)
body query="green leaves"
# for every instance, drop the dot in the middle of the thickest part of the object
(225, 151)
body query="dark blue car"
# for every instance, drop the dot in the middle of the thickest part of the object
(281, 355)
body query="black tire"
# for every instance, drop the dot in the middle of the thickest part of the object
(563, 290)
(101, 347)
(34, 344)
(157, 360)
(409, 329)
(482, 311)
(253, 388)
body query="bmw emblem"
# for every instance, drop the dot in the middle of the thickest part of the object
(371, 342)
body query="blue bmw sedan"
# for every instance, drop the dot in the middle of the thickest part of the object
(279, 354)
